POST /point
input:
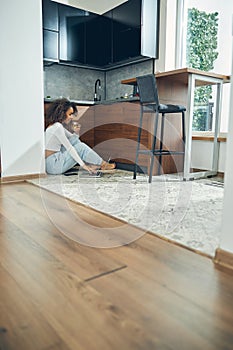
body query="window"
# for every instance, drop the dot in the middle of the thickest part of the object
(222, 64)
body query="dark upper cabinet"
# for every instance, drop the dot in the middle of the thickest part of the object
(98, 41)
(50, 15)
(126, 31)
(50, 45)
(50, 30)
(129, 13)
(72, 34)
(126, 42)
(75, 41)
(86, 38)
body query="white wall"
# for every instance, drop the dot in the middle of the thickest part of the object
(226, 234)
(202, 154)
(21, 86)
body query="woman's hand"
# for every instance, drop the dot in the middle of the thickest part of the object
(76, 127)
(89, 169)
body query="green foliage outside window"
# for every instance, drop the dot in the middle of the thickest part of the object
(202, 30)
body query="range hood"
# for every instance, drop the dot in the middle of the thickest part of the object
(96, 6)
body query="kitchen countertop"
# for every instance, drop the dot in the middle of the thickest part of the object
(182, 74)
(103, 102)
(117, 100)
(79, 102)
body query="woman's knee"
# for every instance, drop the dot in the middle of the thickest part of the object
(82, 147)
(74, 140)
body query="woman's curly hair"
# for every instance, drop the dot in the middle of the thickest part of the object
(56, 112)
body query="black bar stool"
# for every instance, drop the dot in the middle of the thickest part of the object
(149, 101)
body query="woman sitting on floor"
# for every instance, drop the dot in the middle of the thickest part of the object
(63, 149)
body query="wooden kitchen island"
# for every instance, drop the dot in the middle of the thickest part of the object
(110, 127)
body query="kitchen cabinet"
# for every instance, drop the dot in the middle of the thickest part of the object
(100, 41)
(50, 31)
(50, 45)
(72, 34)
(115, 134)
(85, 38)
(111, 129)
(50, 15)
(126, 31)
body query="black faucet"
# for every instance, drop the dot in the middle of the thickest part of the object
(97, 84)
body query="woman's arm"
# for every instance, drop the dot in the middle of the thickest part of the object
(61, 135)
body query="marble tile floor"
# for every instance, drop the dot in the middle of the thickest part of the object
(186, 212)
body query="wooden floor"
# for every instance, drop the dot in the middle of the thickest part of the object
(57, 294)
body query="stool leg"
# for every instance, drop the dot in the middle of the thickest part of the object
(183, 127)
(153, 145)
(161, 144)
(183, 134)
(138, 143)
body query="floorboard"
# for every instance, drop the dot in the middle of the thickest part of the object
(56, 293)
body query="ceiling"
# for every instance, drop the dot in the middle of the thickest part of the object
(96, 6)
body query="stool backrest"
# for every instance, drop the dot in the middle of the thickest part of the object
(147, 89)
